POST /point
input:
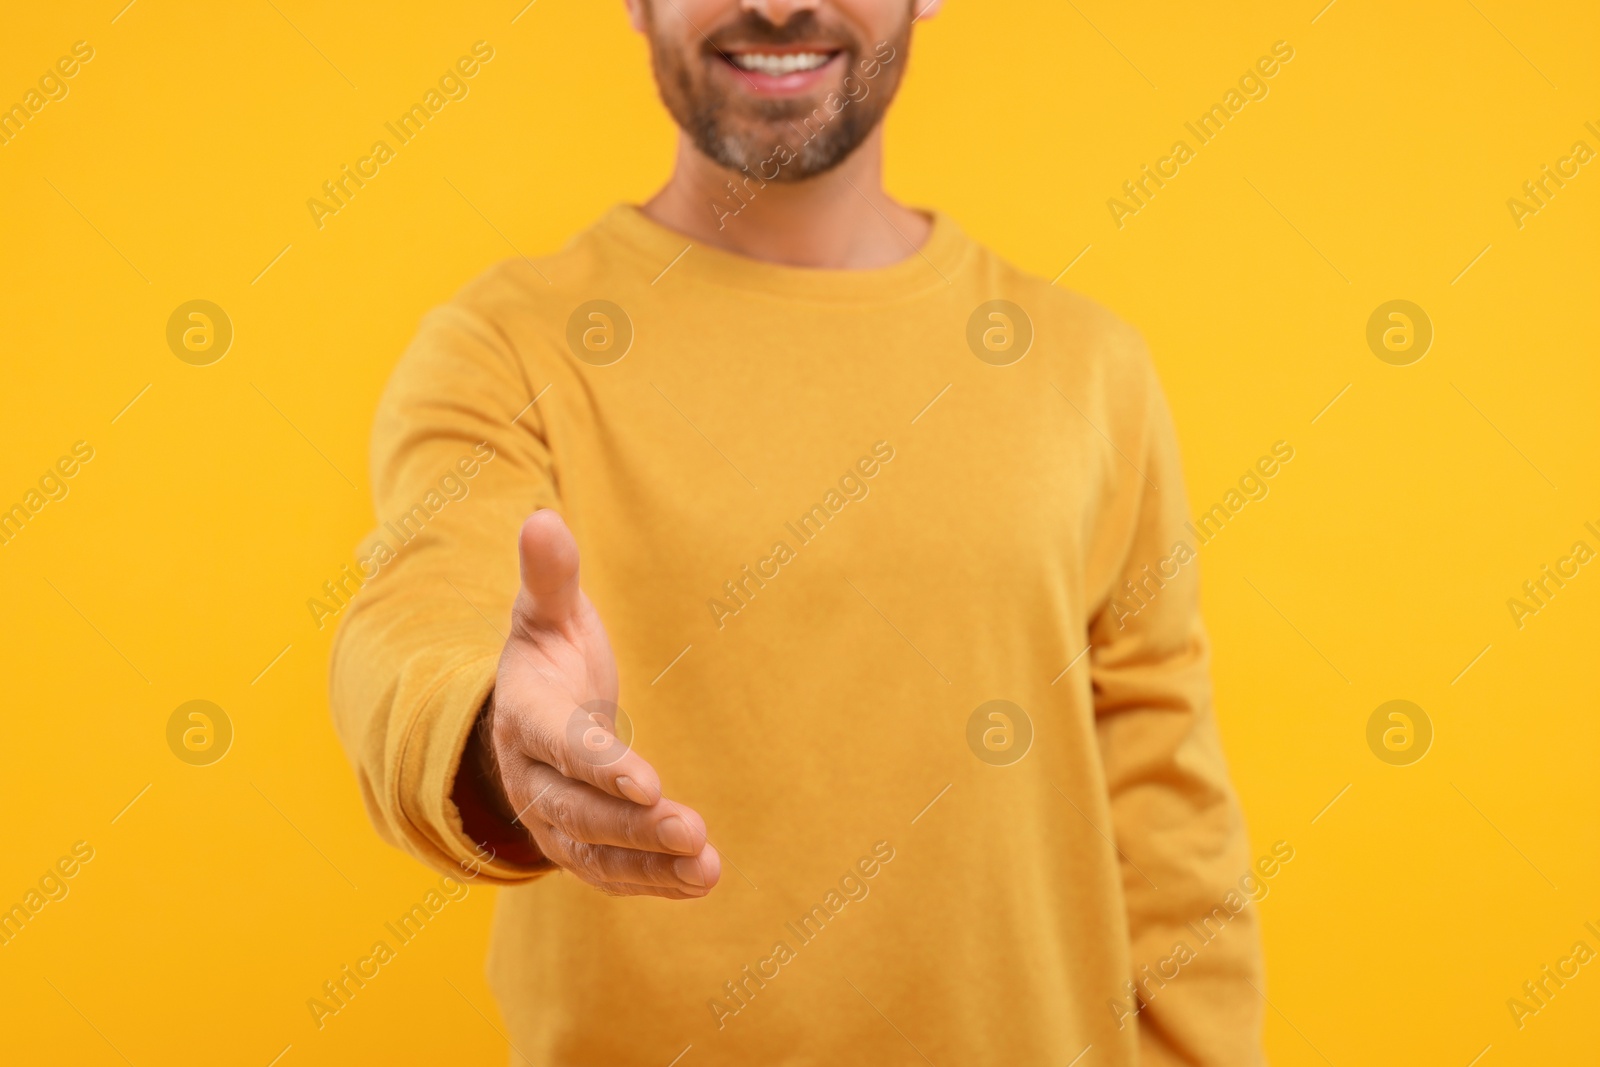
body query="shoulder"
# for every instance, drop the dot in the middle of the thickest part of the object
(514, 314)
(526, 291)
(1089, 352)
(1071, 329)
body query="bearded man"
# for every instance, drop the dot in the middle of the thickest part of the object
(878, 726)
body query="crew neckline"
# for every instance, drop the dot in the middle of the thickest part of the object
(931, 268)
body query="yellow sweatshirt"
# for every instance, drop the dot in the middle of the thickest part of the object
(863, 541)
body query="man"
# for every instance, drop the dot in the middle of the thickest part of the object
(914, 758)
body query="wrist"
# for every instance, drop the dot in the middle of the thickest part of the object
(487, 815)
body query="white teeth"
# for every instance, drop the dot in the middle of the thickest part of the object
(788, 63)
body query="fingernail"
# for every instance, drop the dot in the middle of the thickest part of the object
(687, 868)
(674, 834)
(631, 790)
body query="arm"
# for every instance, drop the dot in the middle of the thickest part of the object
(416, 653)
(1176, 818)
(469, 669)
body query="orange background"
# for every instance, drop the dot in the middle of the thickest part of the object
(1378, 567)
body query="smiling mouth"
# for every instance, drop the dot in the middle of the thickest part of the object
(776, 64)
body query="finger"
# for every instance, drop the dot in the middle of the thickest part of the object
(622, 889)
(583, 813)
(607, 865)
(536, 721)
(603, 864)
(549, 556)
(581, 742)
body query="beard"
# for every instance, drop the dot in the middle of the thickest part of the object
(819, 130)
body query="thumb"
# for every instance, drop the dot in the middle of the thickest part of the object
(549, 557)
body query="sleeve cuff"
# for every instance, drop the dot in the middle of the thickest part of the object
(430, 757)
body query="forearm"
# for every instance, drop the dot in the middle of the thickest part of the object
(415, 658)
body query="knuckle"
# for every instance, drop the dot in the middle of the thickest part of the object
(521, 611)
(556, 847)
(641, 826)
(540, 738)
(560, 810)
(588, 856)
(656, 868)
(614, 827)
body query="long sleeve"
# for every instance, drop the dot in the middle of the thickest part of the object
(1195, 942)
(459, 459)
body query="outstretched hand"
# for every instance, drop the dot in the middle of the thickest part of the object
(592, 805)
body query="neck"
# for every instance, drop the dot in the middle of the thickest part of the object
(841, 220)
